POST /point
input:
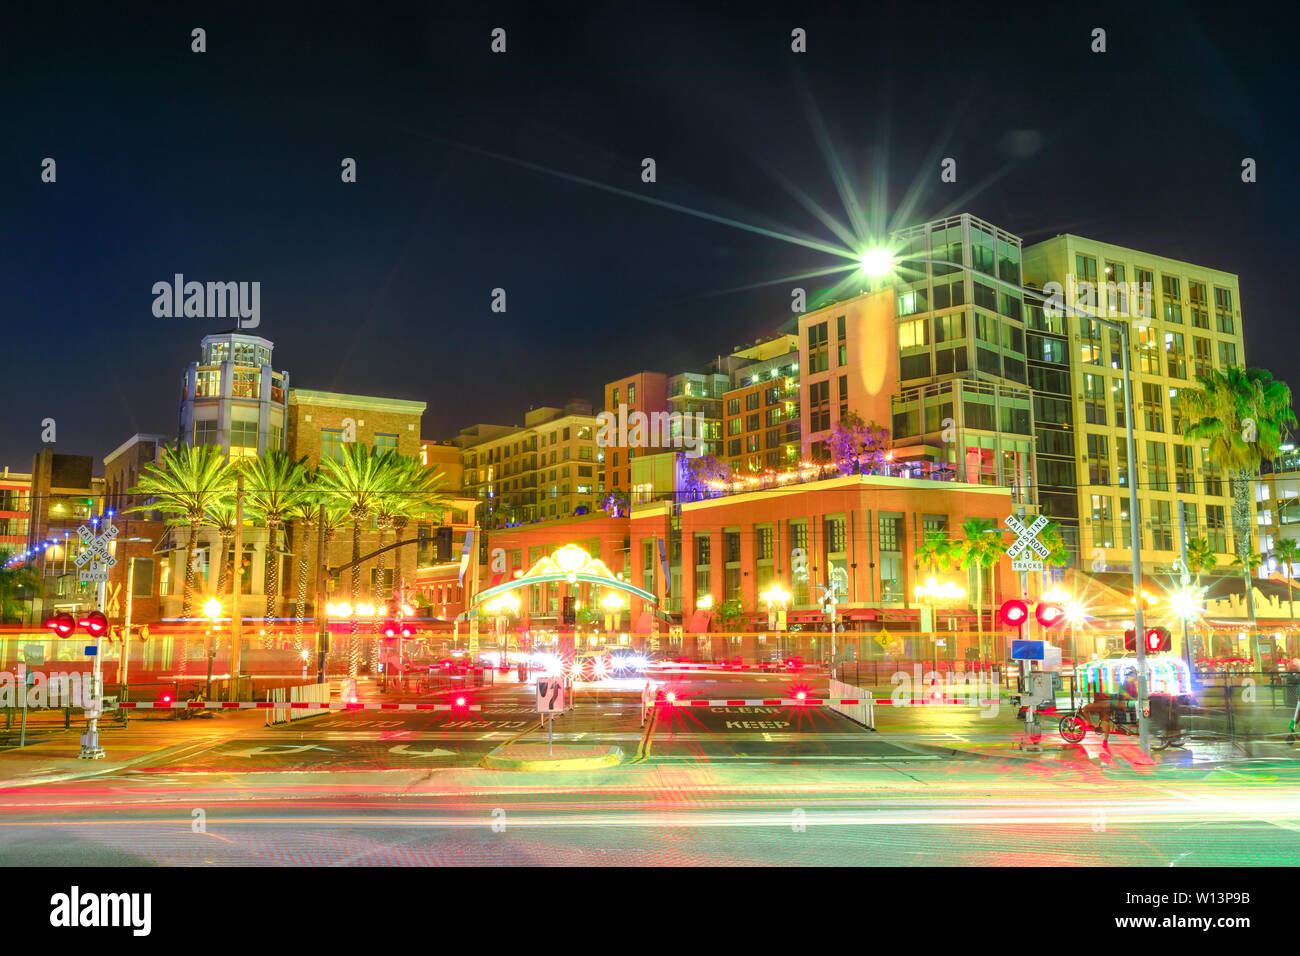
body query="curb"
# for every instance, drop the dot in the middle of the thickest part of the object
(612, 758)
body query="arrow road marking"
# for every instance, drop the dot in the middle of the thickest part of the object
(278, 749)
(406, 751)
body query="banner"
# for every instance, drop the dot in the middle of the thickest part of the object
(465, 554)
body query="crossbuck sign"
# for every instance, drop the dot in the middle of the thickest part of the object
(94, 560)
(1027, 538)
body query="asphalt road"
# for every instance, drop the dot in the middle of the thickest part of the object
(770, 785)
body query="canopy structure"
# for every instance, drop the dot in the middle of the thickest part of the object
(570, 564)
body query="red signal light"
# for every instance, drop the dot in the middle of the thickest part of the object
(405, 630)
(95, 624)
(1049, 614)
(62, 624)
(1014, 612)
(1157, 639)
(460, 701)
(390, 629)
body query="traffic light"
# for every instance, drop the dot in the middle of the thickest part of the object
(569, 612)
(94, 623)
(1014, 612)
(62, 624)
(1157, 640)
(444, 544)
(1049, 614)
(396, 629)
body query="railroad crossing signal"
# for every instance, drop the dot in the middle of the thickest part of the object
(95, 559)
(1027, 538)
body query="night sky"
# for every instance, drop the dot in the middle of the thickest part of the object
(226, 166)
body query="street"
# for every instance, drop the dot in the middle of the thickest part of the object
(745, 785)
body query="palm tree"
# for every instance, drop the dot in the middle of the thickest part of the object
(276, 485)
(1287, 550)
(937, 551)
(1245, 415)
(980, 547)
(221, 515)
(358, 481)
(184, 483)
(1201, 558)
(420, 497)
(1058, 554)
(13, 580)
(307, 516)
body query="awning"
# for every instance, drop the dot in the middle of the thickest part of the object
(699, 623)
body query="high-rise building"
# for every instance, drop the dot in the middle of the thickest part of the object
(549, 467)
(761, 408)
(1185, 320)
(935, 353)
(645, 392)
(233, 398)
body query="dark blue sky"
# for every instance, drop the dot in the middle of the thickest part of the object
(225, 166)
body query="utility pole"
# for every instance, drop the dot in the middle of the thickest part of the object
(1135, 537)
(1185, 579)
(125, 660)
(236, 616)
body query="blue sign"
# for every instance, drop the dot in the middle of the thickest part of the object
(91, 651)
(1026, 650)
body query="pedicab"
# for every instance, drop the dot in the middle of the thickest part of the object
(1112, 686)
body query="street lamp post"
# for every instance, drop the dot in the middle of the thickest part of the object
(212, 608)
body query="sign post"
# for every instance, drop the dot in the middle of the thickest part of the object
(550, 701)
(93, 563)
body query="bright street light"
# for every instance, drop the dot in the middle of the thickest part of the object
(877, 262)
(1188, 603)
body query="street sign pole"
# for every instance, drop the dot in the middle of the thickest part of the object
(99, 559)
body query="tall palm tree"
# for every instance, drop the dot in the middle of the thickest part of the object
(1287, 551)
(358, 481)
(1244, 415)
(184, 483)
(307, 517)
(421, 497)
(276, 484)
(221, 515)
(980, 547)
(14, 580)
(1200, 559)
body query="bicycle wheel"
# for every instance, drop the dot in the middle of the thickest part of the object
(1073, 729)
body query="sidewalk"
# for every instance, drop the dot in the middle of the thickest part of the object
(53, 758)
(1260, 736)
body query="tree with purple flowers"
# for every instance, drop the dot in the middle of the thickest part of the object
(857, 446)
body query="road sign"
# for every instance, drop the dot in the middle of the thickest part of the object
(882, 637)
(94, 560)
(550, 695)
(1026, 564)
(1027, 537)
(33, 653)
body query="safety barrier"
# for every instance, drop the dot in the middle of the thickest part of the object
(291, 705)
(858, 709)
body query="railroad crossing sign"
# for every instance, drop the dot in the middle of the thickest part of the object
(94, 560)
(1027, 538)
